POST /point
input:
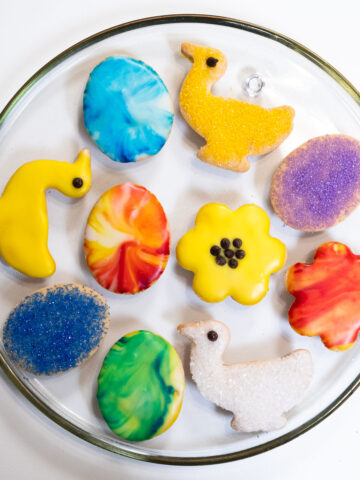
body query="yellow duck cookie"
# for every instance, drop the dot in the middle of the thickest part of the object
(23, 214)
(232, 129)
(231, 253)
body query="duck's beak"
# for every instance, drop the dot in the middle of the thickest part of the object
(83, 158)
(188, 51)
(188, 330)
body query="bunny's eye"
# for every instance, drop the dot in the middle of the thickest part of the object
(211, 61)
(212, 336)
(78, 182)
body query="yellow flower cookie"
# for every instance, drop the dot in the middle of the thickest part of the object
(232, 129)
(231, 253)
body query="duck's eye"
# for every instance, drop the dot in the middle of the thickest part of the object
(212, 336)
(211, 62)
(78, 182)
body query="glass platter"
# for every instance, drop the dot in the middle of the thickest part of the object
(44, 120)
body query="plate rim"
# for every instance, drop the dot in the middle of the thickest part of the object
(95, 38)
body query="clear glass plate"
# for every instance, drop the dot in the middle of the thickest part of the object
(44, 120)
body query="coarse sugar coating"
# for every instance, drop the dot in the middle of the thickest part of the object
(233, 129)
(258, 393)
(318, 185)
(56, 328)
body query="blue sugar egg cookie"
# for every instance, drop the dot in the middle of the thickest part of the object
(56, 328)
(127, 109)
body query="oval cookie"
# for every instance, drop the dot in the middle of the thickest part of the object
(127, 109)
(318, 185)
(127, 239)
(56, 328)
(140, 386)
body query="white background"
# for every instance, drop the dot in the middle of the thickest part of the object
(31, 33)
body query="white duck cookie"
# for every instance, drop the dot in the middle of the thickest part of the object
(258, 392)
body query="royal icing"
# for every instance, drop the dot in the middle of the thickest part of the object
(127, 109)
(127, 239)
(327, 296)
(141, 386)
(23, 214)
(231, 253)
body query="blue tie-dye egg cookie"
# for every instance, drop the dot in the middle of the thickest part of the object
(127, 109)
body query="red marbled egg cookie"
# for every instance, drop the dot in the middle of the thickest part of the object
(127, 239)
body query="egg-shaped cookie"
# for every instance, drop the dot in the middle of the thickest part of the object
(127, 239)
(127, 109)
(141, 386)
(318, 184)
(56, 328)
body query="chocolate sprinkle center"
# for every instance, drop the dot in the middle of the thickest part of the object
(240, 254)
(229, 253)
(215, 250)
(220, 260)
(225, 243)
(233, 263)
(237, 242)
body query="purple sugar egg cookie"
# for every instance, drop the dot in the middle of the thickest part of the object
(318, 185)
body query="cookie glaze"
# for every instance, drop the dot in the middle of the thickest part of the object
(327, 296)
(318, 184)
(24, 222)
(233, 129)
(56, 328)
(215, 276)
(141, 386)
(127, 239)
(127, 109)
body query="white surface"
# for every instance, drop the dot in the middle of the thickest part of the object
(32, 445)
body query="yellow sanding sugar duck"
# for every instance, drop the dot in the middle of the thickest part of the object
(23, 212)
(232, 129)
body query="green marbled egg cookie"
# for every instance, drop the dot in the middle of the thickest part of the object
(141, 386)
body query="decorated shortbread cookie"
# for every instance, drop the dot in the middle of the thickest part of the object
(231, 253)
(127, 239)
(233, 129)
(23, 214)
(127, 109)
(258, 393)
(327, 296)
(318, 185)
(141, 386)
(56, 328)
